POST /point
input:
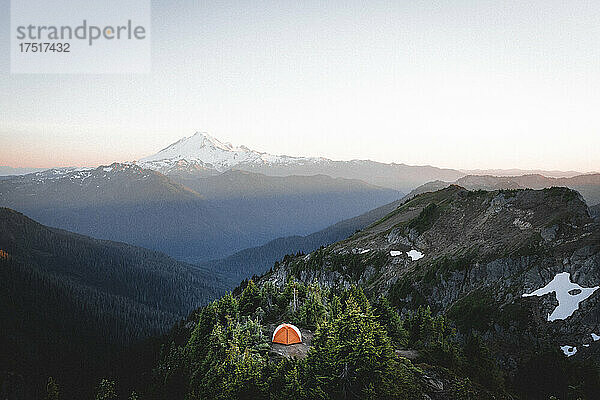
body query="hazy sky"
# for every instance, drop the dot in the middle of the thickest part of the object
(463, 84)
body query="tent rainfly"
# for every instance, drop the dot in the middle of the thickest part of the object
(287, 334)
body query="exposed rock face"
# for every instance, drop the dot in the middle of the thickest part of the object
(481, 252)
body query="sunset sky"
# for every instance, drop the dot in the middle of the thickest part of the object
(461, 84)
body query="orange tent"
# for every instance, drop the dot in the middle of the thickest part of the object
(287, 334)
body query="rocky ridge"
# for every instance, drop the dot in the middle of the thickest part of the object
(481, 253)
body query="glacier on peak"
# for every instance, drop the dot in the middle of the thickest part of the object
(211, 153)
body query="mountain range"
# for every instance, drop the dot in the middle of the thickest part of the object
(233, 210)
(201, 199)
(5, 170)
(259, 259)
(204, 154)
(487, 254)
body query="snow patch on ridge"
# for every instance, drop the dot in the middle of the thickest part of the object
(567, 303)
(415, 255)
(569, 350)
(360, 250)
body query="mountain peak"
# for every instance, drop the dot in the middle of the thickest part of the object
(203, 139)
(202, 149)
(206, 151)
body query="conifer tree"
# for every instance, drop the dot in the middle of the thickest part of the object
(250, 299)
(335, 307)
(52, 390)
(312, 312)
(352, 357)
(389, 318)
(106, 390)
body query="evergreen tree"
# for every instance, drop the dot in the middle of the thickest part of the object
(52, 390)
(233, 364)
(312, 312)
(356, 295)
(352, 357)
(434, 336)
(335, 307)
(228, 305)
(171, 372)
(250, 299)
(106, 390)
(389, 318)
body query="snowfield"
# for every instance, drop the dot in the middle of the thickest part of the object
(569, 350)
(567, 302)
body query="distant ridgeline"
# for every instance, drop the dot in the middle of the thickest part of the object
(193, 217)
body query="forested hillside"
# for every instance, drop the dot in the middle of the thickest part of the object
(354, 354)
(68, 301)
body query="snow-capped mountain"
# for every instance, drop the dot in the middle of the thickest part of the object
(81, 187)
(203, 151)
(202, 154)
